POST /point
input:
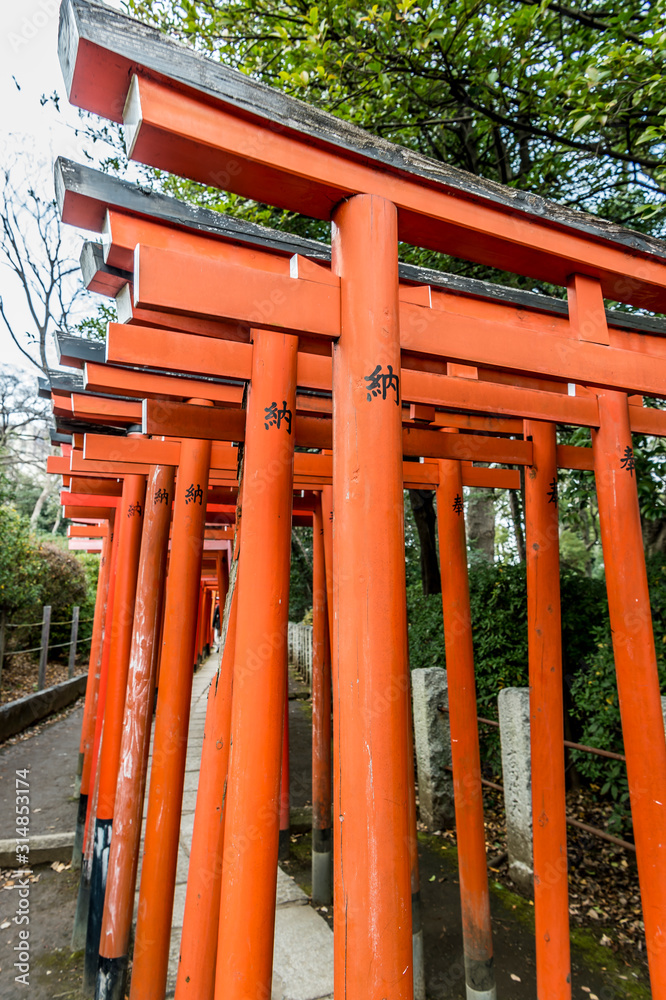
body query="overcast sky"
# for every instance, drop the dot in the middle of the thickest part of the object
(29, 68)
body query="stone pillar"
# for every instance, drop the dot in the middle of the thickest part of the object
(514, 719)
(432, 741)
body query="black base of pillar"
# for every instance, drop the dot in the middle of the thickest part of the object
(322, 866)
(111, 977)
(100, 861)
(480, 977)
(77, 849)
(284, 846)
(82, 905)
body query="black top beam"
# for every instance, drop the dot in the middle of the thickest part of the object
(58, 438)
(65, 381)
(107, 279)
(89, 193)
(75, 351)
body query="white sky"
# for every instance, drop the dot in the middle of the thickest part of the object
(29, 56)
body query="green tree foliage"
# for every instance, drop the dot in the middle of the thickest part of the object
(498, 601)
(300, 580)
(20, 574)
(63, 584)
(19, 570)
(565, 100)
(499, 624)
(34, 573)
(595, 700)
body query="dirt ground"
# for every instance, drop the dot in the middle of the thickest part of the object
(20, 676)
(50, 753)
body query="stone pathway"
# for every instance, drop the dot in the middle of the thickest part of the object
(303, 955)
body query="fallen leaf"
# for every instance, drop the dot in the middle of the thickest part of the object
(58, 866)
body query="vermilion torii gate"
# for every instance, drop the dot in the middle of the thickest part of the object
(247, 138)
(194, 970)
(220, 430)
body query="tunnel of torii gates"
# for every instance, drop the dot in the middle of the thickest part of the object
(258, 380)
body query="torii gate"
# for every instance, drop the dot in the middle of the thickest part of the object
(155, 428)
(214, 430)
(132, 452)
(310, 167)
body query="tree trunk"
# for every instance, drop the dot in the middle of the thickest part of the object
(41, 499)
(516, 517)
(56, 523)
(423, 508)
(481, 523)
(298, 549)
(654, 537)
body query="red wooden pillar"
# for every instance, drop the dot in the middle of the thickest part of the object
(129, 541)
(372, 886)
(222, 583)
(198, 945)
(210, 595)
(158, 873)
(210, 608)
(465, 758)
(197, 637)
(92, 691)
(124, 851)
(549, 823)
(245, 945)
(635, 665)
(322, 872)
(283, 839)
(92, 778)
(327, 523)
(418, 958)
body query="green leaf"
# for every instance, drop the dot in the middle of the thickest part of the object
(581, 123)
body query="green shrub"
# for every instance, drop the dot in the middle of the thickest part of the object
(498, 602)
(63, 585)
(34, 573)
(596, 706)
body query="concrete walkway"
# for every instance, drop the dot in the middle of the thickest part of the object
(303, 955)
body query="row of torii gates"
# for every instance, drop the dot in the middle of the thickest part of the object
(257, 379)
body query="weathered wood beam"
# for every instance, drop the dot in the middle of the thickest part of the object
(198, 118)
(89, 199)
(178, 283)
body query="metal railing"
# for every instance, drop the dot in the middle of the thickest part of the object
(594, 830)
(73, 642)
(300, 649)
